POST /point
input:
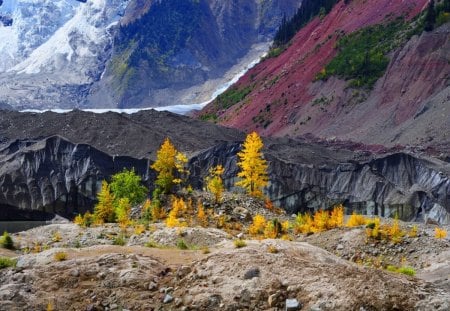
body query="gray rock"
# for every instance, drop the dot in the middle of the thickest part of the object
(292, 305)
(252, 273)
(167, 298)
(152, 286)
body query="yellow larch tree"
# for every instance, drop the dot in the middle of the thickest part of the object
(214, 182)
(168, 162)
(253, 166)
(104, 210)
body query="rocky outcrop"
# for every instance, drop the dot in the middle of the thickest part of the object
(39, 179)
(305, 177)
(47, 173)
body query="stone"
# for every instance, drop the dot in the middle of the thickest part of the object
(183, 271)
(339, 247)
(272, 300)
(252, 273)
(240, 235)
(242, 213)
(167, 298)
(292, 305)
(75, 273)
(178, 302)
(152, 286)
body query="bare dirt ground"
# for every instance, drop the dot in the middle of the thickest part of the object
(332, 270)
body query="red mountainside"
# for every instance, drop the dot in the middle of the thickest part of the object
(409, 104)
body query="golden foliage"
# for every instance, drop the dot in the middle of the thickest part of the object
(139, 229)
(440, 233)
(271, 230)
(214, 182)
(104, 210)
(123, 211)
(239, 243)
(253, 166)
(60, 256)
(395, 232)
(320, 221)
(56, 236)
(258, 225)
(337, 217)
(178, 208)
(412, 233)
(168, 161)
(356, 220)
(201, 215)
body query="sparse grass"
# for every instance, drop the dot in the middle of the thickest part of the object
(181, 244)
(152, 244)
(6, 262)
(119, 240)
(60, 256)
(407, 270)
(239, 243)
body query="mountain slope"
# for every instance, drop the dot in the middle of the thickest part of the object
(54, 53)
(281, 95)
(178, 52)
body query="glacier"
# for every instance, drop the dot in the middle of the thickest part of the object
(55, 46)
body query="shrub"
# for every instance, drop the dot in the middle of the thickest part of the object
(6, 241)
(60, 256)
(205, 250)
(127, 184)
(6, 262)
(356, 220)
(139, 229)
(440, 233)
(258, 225)
(272, 249)
(413, 231)
(239, 243)
(56, 237)
(407, 270)
(395, 232)
(201, 215)
(181, 244)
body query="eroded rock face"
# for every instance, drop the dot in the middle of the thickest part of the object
(55, 176)
(306, 177)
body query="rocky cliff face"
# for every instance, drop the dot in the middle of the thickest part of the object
(54, 176)
(51, 175)
(307, 177)
(408, 105)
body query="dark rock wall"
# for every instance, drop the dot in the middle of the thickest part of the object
(55, 176)
(393, 184)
